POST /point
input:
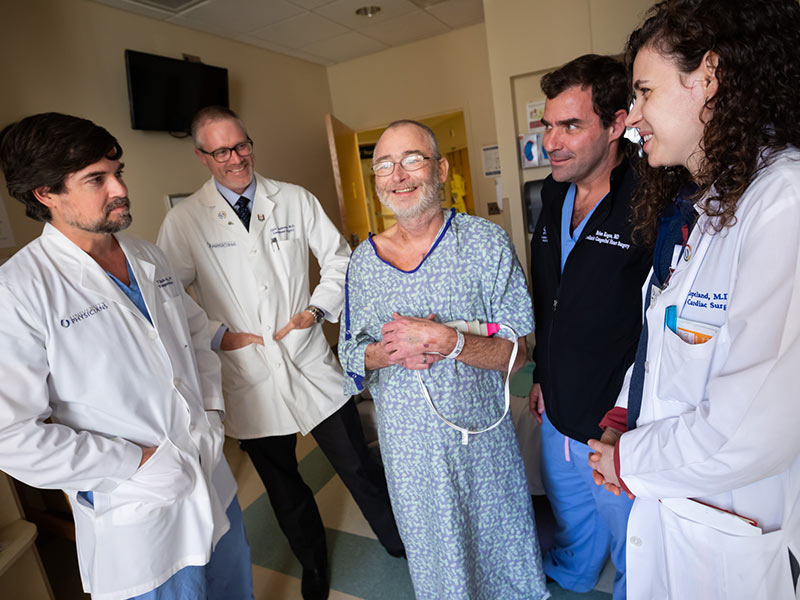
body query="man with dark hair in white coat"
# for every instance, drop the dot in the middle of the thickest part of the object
(242, 243)
(110, 390)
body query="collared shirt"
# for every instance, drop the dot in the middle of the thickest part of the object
(232, 197)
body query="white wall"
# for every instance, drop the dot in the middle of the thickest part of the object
(67, 56)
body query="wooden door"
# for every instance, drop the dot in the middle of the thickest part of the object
(343, 145)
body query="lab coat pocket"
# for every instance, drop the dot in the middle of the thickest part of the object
(684, 369)
(722, 558)
(242, 367)
(291, 259)
(166, 478)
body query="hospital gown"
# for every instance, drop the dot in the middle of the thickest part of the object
(463, 511)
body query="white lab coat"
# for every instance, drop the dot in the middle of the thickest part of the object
(75, 349)
(720, 421)
(254, 282)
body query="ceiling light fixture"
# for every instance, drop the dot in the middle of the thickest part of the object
(368, 11)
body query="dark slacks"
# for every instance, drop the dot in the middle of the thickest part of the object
(341, 439)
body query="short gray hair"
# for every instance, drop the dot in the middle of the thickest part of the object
(210, 114)
(425, 129)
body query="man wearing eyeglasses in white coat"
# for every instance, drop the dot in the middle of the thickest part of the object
(242, 243)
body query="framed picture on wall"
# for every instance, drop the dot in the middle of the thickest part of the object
(173, 199)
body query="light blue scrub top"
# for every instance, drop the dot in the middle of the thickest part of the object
(568, 240)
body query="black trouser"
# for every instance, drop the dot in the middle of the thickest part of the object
(341, 439)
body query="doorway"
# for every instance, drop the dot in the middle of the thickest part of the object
(351, 157)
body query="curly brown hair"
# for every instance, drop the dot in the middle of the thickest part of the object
(754, 112)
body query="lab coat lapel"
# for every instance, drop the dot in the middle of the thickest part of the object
(694, 252)
(92, 276)
(224, 216)
(262, 207)
(145, 273)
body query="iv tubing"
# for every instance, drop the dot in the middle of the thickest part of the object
(465, 433)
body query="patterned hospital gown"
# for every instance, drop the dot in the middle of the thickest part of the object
(463, 511)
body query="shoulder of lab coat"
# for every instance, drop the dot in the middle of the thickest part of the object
(745, 427)
(42, 454)
(322, 237)
(172, 240)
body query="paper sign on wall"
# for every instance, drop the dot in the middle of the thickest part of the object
(491, 160)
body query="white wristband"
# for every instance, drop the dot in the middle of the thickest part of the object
(459, 345)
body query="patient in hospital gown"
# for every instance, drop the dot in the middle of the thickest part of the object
(463, 511)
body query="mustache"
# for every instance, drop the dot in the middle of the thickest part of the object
(119, 202)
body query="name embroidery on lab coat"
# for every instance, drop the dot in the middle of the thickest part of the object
(164, 282)
(283, 229)
(83, 314)
(215, 245)
(717, 300)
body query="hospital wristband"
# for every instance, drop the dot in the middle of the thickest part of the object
(459, 345)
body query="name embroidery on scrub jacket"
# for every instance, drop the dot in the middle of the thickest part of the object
(603, 237)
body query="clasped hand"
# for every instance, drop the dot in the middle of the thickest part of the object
(602, 462)
(412, 342)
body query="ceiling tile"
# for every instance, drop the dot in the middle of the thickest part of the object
(135, 7)
(310, 4)
(344, 47)
(405, 29)
(241, 16)
(458, 13)
(344, 11)
(300, 31)
(219, 28)
(254, 41)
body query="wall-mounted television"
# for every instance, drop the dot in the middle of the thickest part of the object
(165, 93)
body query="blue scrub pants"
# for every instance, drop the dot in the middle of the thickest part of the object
(590, 521)
(226, 576)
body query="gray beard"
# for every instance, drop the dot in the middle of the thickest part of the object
(430, 199)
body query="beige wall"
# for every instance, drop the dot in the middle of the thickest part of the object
(67, 56)
(525, 37)
(443, 74)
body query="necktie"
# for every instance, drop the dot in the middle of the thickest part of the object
(636, 388)
(243, 211)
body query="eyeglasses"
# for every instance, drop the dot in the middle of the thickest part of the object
(222, 155)
(412, 162)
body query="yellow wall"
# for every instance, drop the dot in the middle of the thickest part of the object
(67, 56)
(525, 37)
(443, 74)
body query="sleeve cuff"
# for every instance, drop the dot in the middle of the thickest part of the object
(217, 339)
(616, 418)
(622, 485)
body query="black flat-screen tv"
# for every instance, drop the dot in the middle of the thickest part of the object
(165, 93)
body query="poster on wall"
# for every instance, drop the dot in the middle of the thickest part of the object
(531, 150)
(535, 112)
(6, 235)
(528, 150)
